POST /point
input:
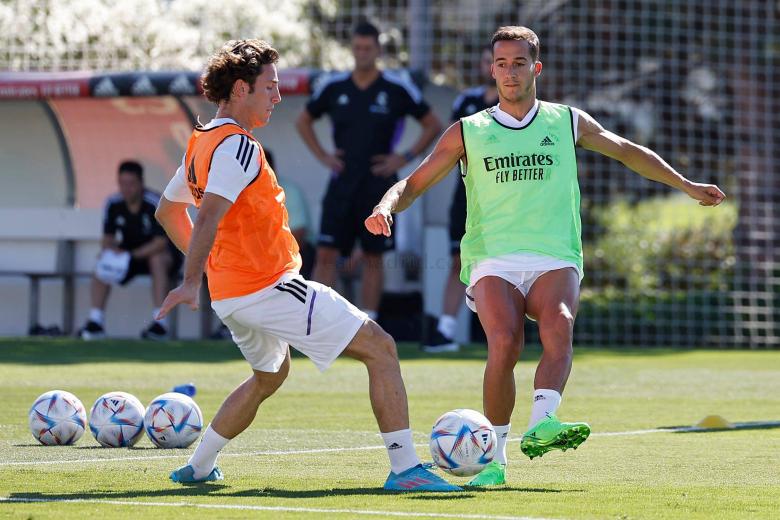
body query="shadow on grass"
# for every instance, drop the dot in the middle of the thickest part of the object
(168, 451)
(222, 490)
(752, 425)
(470, 490)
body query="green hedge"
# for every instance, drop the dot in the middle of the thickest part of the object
(662, 244)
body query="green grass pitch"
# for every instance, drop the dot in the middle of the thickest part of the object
(313, 450)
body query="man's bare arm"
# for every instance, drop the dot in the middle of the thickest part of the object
(643, 161)
(176, 222)
(210, 214)
(305, 126)
(212, 209)
(431, 170)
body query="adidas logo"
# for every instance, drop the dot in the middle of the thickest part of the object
(181, 85)
(394, 446)
(546, 141)
(539, 398)
(105, 88)
(143, 87)
(491, 139)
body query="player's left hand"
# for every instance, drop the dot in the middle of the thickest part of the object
(706, 194)
(380, 221)
(387, 165)
(185, 293)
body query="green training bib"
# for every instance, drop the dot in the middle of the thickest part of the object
(522, 190)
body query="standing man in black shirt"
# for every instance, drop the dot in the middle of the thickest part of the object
(133, 243)
(470, 101)
(367, 108)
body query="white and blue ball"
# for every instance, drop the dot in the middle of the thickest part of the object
(173, 420)
(463, 442)
(57, 418)
(117, 420)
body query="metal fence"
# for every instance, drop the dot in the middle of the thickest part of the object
(697, 81)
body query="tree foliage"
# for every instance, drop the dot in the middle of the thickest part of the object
(151, 34)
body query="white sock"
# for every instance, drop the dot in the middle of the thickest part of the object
(400, 449)
(163, 322)
(447, 325)
(205, 455)
(545, 401)
(502, 434)
(371, 314)
(96, 315)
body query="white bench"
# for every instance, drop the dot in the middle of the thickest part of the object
(59, 243)
(49, 242)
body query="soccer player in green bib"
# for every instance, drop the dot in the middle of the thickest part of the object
(522, 251)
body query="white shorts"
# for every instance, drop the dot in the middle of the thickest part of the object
(520, 269)
(311, 317)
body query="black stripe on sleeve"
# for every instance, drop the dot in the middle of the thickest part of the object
(241, 147)
(248, 161)
(296, 295)
(299, 284)
(295, 288)
(246, 149)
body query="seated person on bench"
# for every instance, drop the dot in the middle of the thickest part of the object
(133, 243)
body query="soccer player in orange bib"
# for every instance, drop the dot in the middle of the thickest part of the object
(242, 239)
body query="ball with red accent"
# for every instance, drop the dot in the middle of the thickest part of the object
(57, 418)
(173, 420)
(463, 442)
(117, 420)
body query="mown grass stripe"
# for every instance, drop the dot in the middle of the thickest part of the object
(365, 512)
(378, 447)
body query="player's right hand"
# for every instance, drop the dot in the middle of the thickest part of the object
(333, 161)
(185, 293)
(380, 221)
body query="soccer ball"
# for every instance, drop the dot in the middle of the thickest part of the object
(173, 420)
(57, 417)
(117, 420)
(462, 442)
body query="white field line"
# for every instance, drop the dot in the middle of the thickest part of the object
(357, 448)
(364, 512)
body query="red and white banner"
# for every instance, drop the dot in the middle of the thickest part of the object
(41, 85)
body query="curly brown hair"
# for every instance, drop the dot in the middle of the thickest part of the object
(237, 59)
(517, 32)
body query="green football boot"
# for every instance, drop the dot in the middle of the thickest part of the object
(494, 474)
(551, 434)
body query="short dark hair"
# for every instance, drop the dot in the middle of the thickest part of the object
(237, 59)
(366, 28)
(133, 167)
(517, 33)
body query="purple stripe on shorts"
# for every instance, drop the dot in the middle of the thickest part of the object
(311, 308)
